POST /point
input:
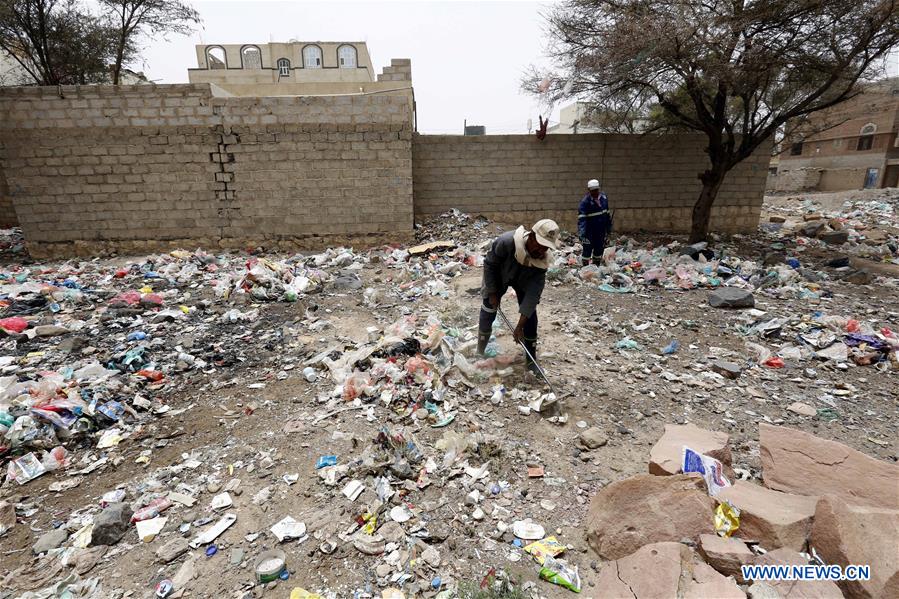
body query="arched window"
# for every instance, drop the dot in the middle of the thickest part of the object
(283, 67)
(346, 57)
(251, 57)
(866, 137)
(215, 58)
(312, 57)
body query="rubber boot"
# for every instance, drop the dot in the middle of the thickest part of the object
(483, 340)
(585, 261)
(597, 261)
(531, 364)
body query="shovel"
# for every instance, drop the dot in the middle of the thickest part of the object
(525, 348)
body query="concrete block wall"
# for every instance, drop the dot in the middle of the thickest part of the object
(651, 180)
(139, 168)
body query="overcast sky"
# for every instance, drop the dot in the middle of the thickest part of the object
(467, 57)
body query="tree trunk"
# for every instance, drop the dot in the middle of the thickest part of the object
(702, 209)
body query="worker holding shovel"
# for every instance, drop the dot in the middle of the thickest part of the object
(517, 259)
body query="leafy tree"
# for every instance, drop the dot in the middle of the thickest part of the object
(56, 42)
(738, 71)
(135, 18)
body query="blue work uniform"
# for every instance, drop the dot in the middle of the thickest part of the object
(594, 223)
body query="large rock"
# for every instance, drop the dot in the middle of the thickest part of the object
(772, 518)
(661, 571)
(800, 463)
(708, 583)
(111, 524)
(50, 540)
(793, 589)
(726, 555)
(666, 455)
(592, 438)
(845, 534)
(645, 509)
(834, 237)
(731, 297)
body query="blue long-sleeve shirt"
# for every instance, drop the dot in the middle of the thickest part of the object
(594, 221)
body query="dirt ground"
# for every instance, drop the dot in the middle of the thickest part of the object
(631, 394)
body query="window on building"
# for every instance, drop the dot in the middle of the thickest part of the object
(346, 57)
(865, 142)
(215, 58)
(283, 67)
(251, 57)
(796, 149)
(312, 57)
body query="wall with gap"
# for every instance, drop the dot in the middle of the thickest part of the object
(140, 168)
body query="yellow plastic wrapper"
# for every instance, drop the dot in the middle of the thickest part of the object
(371, 523)
(180, 254)
(146, 289)
(548, 546)
(727, 519)
(301, 593)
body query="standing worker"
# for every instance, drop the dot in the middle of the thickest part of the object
(517, 259)
(594, 223)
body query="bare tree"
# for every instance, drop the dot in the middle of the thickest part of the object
(56, 41)
(134, 18)
(737, 71)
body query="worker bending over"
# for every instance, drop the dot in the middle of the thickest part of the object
(517, 259)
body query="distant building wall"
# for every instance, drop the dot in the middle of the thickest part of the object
(651, 181)
(137, 167)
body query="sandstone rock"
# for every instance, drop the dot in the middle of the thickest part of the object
(797, 462)
(709, 583)
(812, 216)
(845, 534)
(172, 550)
(762, 590)
(111, 524)
(50, 540)
(731, 297)
(592, 438)
(645, 509)
(665, 455)
(772, 518)
(835, 224)
(792, 589)
(661, 571)
(834, 237)
(727, 369)
(803, 409)
(86, 559)
(777, 219)
(726, 555)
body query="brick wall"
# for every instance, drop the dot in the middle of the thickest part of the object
(7, 211)
(138, 168)
(651, 181)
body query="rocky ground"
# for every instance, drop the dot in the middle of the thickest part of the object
(340, 390)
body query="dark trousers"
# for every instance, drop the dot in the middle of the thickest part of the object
(593, 249)
(488, 315)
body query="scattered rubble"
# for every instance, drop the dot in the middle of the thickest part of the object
(329, 406)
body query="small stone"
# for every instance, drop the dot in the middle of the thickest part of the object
(777, 219)
(593, 438)
(802, 409)
(731, 297)
(727, 369)
(111, 524)
(172, 550)
(834, 237)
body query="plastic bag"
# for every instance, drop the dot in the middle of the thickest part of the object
(761, 353)
(559, 572)
(356, 385)
(709, 468)
(14, 324)
(727, 519)
(126, 299)
(549, 546)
